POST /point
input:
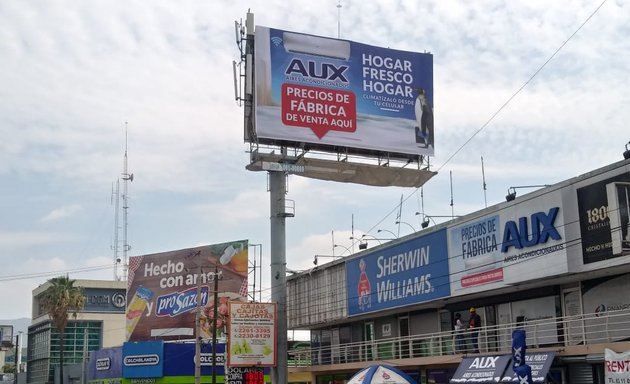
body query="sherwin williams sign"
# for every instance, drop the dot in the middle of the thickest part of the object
(408, 273)
(162, 295)
(331, 92)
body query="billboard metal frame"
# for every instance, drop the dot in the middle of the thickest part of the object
(369, 166)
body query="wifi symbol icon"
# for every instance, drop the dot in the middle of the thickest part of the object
(276, 40)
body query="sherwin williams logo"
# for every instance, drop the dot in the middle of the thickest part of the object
(136, 360)
(103, 364)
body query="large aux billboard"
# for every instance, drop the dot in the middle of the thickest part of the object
(162, 290)
(339, 93)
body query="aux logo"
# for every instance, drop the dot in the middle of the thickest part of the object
(537, 230)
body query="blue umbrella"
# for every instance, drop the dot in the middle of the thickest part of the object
(381, 374)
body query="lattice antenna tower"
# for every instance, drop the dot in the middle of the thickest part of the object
(115, 199)
(127, 177)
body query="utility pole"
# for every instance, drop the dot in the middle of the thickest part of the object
(17, 367)
(197, 325)
(214, 324)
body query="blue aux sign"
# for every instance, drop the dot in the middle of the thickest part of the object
(411, 272)
(537, 230)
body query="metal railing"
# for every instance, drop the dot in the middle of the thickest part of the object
(587, 329)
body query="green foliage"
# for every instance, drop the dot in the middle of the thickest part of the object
(8, 368)
(60, 299)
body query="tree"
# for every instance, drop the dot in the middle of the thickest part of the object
(58, 300)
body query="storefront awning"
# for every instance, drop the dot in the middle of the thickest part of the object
(498, 369)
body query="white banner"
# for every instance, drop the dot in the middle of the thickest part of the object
(617, 367)
(252, 334)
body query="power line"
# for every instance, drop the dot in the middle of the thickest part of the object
(501, 108)
(54, 273)
(505, 104)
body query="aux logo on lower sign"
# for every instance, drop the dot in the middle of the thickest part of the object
(485, 362)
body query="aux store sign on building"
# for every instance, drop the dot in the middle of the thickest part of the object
(519, 242)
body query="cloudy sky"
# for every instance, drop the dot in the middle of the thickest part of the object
(72, 73)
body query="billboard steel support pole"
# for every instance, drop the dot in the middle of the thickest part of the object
(198, 326)
(214, 324)
(277, 190)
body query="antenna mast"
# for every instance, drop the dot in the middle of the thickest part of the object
(339, 19)
(452, 206)
(483, 175)
(116, 195)
(126, 176)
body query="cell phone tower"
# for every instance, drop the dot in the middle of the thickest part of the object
(126, 177)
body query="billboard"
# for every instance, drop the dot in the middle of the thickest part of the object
(595, 229)
(520, 242)
(339, 93)
(162, 295)
(252, 330)
(411, 272)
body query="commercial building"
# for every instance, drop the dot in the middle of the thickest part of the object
(100, 324)
(553, 262)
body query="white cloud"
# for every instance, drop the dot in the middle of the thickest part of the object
(70, 84)
(62, 213)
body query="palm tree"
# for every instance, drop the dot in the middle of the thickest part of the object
(59, 299)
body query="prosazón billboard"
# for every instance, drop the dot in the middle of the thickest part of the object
(162, 293)
(333, 93)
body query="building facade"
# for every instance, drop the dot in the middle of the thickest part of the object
(553, 262)
(100, 324)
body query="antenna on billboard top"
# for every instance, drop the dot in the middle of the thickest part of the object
(339, 19)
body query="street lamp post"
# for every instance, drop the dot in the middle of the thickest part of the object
(344, 247)
(216, 277)
(410, 226)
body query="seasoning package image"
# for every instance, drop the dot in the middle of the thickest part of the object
(165, 289)
(136, 308)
